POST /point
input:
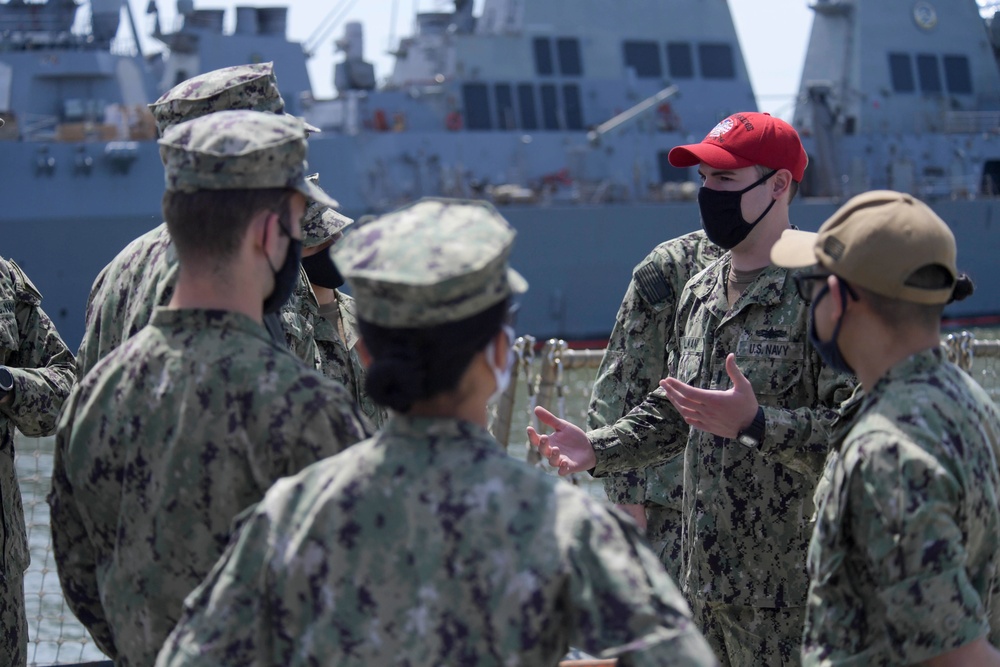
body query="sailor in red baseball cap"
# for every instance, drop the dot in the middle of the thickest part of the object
(749, 406)
(744, 144)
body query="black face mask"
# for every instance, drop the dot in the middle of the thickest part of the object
(286, 276)
(828, 350)
(322, 271)
(722, 215)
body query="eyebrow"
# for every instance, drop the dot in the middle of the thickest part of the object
(716, 172)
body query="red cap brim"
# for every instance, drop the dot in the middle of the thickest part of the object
(712, 155)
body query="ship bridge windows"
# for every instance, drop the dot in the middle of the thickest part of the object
(680, 60)
(476, 100)
(644, 59)
(928, 73)
(568, 49)
(901, 72)
(716, 61)
(506, 118)
(567, 56)
(526, 105)
(957, 75)
(571, 107)
(543, 56)
(550, 106)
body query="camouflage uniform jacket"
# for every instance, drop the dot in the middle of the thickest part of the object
(159, 448)
(905, 559)
(636, 357)
(43, 370)
(748, 512)
(143, 276)
(428, 545)
(336, 356)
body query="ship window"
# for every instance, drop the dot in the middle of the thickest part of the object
(550, 107)
(901, 72)
(506, 118)
(571, 105)
(477, 106)
(543, 56)
(957, 75)
(928, 73)
(644, 58)
(716, 61)
(526, 102)
(680, 63)
(568, 49)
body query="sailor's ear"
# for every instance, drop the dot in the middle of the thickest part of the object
(781, 182)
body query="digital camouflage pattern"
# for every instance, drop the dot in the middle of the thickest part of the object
(160, 446)
(238, 150)
(905, 559)
(321, 223)
(252, 87)
(432, 262)
(43, 371)
(143, 276)
(428, 545)
(635, 360)
(334, 330)
(747, 513)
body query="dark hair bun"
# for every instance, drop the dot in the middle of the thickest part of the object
(964, 287)
(395, 381)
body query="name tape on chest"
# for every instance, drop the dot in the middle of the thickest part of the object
(772, 349)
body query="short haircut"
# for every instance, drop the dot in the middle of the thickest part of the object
(414, 364)
(793, 187)
(898, 314)
(208, 226)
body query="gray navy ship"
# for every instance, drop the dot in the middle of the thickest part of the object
(560, 111)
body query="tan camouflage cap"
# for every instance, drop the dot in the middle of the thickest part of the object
(877, 240)
(238, 150)
(252, 87)
(321, 222)
(433, 262)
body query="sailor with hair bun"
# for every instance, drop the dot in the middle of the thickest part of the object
(904, 563)
(428, 544)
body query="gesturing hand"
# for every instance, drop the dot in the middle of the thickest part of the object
(566, 448)
(721, 413)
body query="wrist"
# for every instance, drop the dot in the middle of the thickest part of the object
(753, 435)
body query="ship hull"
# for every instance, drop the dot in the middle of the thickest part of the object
(578, 259)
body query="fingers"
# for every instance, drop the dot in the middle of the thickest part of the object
(740, 381)
(549, 419)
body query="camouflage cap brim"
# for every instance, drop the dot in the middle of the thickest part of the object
(430, 263)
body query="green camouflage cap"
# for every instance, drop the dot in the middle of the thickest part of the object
(238, 150)
(320, 222)
(429, 263)
(252, 87)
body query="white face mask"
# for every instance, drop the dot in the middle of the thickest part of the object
(502, 377)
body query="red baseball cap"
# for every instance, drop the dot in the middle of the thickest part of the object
(744, 140)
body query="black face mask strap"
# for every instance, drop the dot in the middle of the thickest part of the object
(755, 184)
(758, 182)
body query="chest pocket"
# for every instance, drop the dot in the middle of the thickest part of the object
(772, 365)
(692, 353)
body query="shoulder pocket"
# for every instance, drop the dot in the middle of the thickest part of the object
(652, 286)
